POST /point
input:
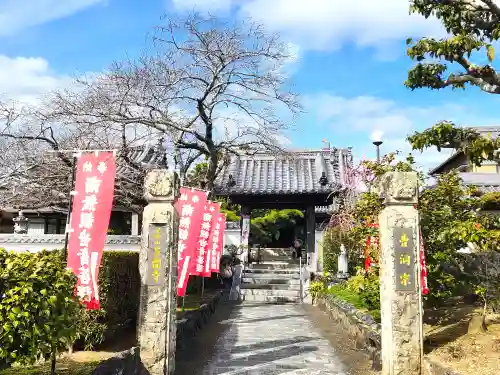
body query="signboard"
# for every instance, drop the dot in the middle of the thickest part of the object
(92, 203)
(245, 229)
(404, 257)
(157, 255)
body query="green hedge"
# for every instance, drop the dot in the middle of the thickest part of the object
(38, 311)
(119, 290)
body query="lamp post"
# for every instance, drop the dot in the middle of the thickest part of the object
(377, 141)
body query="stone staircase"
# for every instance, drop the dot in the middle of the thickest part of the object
(274, 279)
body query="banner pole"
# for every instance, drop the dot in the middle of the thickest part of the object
(70, 207)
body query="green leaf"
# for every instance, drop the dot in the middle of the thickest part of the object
(490, 53)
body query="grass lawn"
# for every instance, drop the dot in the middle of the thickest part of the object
(62, 368)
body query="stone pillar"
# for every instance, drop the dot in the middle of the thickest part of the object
(401, 306)
(158, 269)
(310, 237)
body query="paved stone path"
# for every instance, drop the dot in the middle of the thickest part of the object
(267, 339)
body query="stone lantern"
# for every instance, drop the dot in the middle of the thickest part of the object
(20, 223)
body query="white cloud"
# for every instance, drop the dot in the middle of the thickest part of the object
(330, 24)
(364, 117)
(26, 79)
(16, 16)
(202, 5)
(368, 113)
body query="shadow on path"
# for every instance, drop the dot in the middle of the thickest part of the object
(259, 339)
(193, 358)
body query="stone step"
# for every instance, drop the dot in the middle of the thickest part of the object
(272, 251)
(271, 257)
(270, 292)
(274, 266)
(271, 279)
(276, 286)
(271, 271)
(271, 274)
(270, 299)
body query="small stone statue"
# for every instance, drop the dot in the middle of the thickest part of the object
(342, 263)
(20, 223)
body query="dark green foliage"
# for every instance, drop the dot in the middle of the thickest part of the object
(331, 249)
(196, 177)
(473, 27)
(445, 134)
(38, 313)
(119, 288)
(266, 228)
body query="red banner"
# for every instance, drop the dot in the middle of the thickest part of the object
(190, 206)
(92, 203)
(372, 241)
(212, 211)
(218, 242)
(423, 267)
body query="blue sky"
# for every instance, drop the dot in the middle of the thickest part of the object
(350, 68)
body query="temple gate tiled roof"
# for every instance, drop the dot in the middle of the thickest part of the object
(296, 172)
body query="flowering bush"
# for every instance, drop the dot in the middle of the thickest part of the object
(450, 219)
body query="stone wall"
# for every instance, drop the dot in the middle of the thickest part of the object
(361, 327)
(433, 368)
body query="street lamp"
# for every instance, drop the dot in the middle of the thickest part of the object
(377, 141)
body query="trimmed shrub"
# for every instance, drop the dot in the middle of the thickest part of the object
(119, 291)
(38, 313)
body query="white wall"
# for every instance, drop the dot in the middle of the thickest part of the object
(232, 237)
(36, 242)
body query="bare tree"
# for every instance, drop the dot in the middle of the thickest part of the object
(211, 88)
(35, 173)
(204, 91)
